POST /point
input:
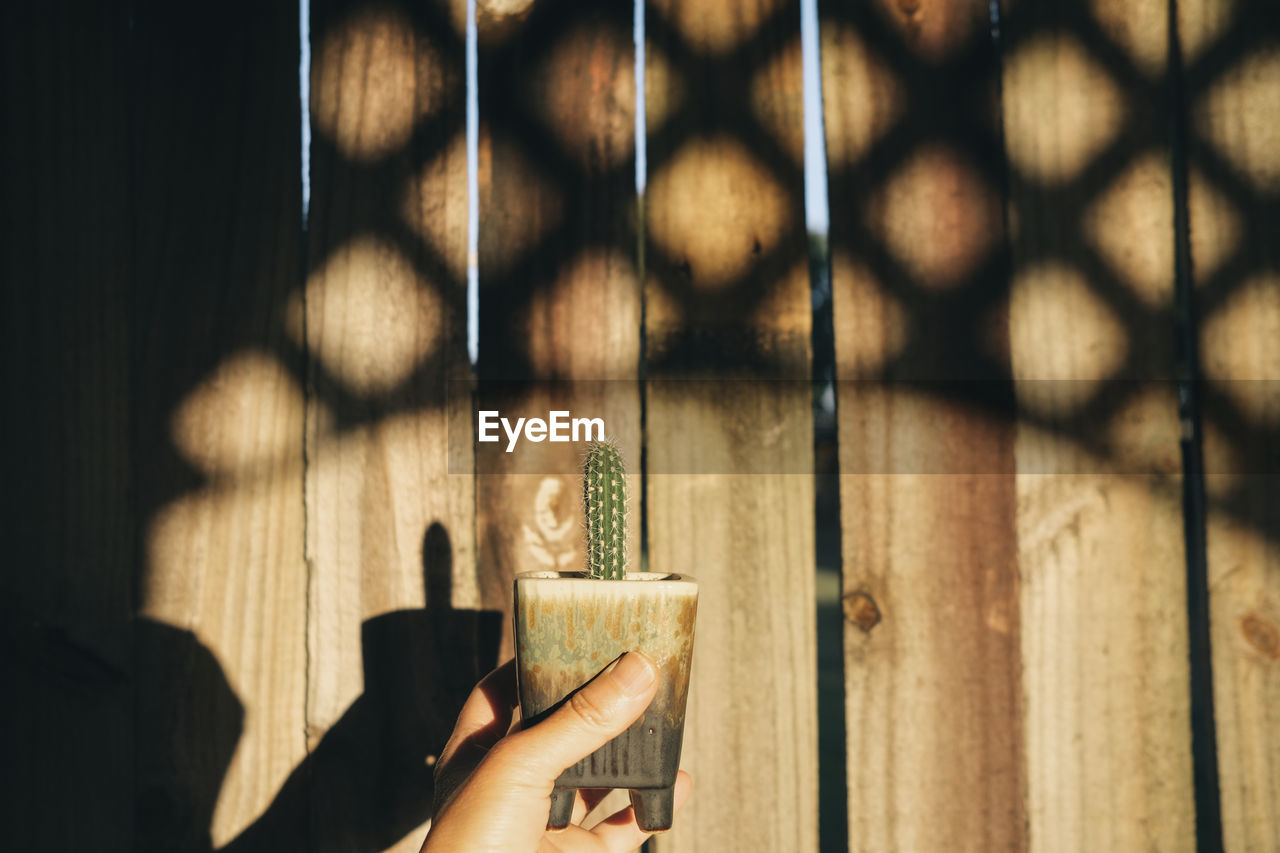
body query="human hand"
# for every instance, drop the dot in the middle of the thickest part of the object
(493, 786)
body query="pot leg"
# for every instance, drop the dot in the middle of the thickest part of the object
(561, 808)
(654, 807)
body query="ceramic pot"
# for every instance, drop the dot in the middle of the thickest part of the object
(569, 627)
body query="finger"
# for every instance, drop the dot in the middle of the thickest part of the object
(579, 809)
(484, 719)
(591, 717)
(591, 797)
(584, 802)
(486, 714)
(619, 833)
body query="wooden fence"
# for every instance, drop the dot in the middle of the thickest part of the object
(255, 562)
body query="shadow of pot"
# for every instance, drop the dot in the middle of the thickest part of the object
(569, 627)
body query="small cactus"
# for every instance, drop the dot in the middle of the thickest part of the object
(604, 497)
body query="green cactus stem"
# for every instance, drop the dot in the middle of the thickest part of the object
(604, 497)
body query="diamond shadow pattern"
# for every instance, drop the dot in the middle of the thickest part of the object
(945, 325)
(943, 344)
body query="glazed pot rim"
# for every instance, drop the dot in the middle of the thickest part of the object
(632, 577)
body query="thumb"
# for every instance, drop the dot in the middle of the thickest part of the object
(590, 718)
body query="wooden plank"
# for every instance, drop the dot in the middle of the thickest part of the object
(65, 590)
(934, 698)
(221, 646)
(1100, 538)
(560, 296)
(729, 421)
(1232, 77)
(559, 291)
(384, 320)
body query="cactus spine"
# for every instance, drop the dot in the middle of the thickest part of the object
(604, 497)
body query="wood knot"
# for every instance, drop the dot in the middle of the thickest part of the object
(861, 610)
(1261, 634)
(911, 18)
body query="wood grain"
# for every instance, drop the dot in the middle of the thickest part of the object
(560, 296)
(1099, 517)
(219, 419)
(1237, 305)
(66, 458)
(390, 530)
(729, 430)
(931, 639)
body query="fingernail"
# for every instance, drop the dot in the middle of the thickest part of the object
(634, 673)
